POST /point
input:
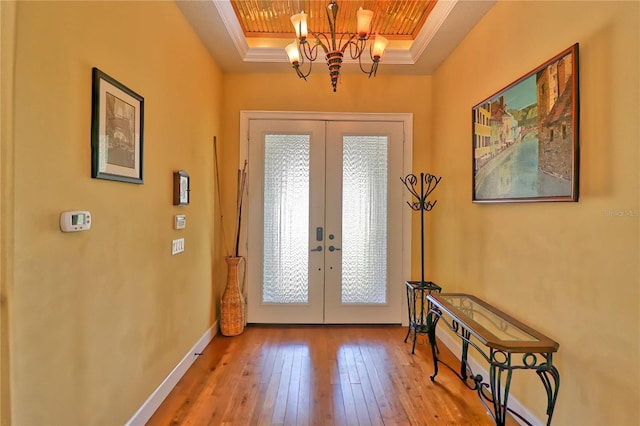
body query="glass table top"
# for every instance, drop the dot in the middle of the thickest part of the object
(488, 319)
(492, 326)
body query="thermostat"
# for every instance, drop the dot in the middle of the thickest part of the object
(75, 221)
(180, 221)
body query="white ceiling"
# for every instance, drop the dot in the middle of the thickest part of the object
(216, 24)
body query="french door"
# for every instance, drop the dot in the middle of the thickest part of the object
(324, 222)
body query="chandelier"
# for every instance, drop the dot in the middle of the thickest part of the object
(334, 45)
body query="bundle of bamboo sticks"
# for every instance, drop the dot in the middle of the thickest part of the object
(241, 187)
(242, 181)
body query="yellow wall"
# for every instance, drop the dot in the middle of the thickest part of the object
(571, 270)
(7, 60)
(100, 318)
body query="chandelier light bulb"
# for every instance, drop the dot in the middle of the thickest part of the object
(363, 25)
(379, 45)
(299, 21)
(293, 53)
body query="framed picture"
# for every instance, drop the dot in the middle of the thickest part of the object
(525, 137)
(181, 188)
(117, 123)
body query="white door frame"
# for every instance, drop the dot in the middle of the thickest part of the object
(405, 118)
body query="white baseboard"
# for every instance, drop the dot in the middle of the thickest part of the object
(455, 346)
(152, 403)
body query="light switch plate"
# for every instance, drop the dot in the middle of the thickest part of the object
(180, 221)
(177, 246)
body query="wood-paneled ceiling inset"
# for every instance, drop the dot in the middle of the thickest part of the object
(396, 20)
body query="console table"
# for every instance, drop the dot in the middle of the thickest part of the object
(504, 342)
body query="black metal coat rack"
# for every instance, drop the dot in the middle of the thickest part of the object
(419, 321)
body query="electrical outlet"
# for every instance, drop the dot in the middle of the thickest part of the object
(177, 246)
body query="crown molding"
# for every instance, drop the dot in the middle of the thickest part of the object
(432, 25)
(228, 16)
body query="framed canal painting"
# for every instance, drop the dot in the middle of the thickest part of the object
(525, 137)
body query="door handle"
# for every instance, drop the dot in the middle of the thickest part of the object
(332, 248)
(319, 248)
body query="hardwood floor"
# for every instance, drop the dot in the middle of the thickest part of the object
(320, 375)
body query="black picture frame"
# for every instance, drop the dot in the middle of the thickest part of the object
(181, 188)
(525, 137)
(117, 130)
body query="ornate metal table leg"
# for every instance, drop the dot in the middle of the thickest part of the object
(432, 340)
(499, 405)
(547, 374)
(500, 361)
(466, 335)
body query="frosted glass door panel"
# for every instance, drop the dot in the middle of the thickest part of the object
(364, 219)
(363, 272)
(285, 271)
(286, 219)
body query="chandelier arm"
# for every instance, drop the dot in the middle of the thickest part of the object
(299, 65)
(374, 66)
(356, 47)
(302, 54)
(348, 43)
(303, 75)
(325, 45)
(309, 52)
